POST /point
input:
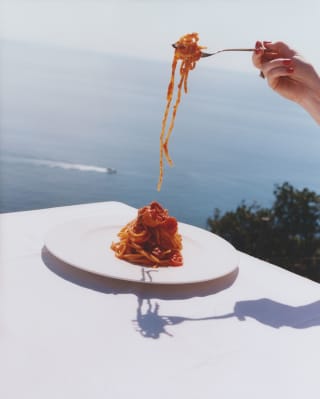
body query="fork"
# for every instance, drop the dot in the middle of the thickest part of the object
(203, 54)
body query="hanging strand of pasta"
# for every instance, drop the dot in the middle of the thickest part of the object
(188, 52)
(165, 117)
(173, 118)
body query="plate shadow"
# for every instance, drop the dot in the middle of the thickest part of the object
(142, 289)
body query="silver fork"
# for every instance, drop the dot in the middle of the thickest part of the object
(203, 54)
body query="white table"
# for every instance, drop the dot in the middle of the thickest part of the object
(66, 333)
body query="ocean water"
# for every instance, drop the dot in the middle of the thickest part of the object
(70, 119)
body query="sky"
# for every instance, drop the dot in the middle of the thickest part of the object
(146, 28)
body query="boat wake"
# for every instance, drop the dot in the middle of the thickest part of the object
(62, 165)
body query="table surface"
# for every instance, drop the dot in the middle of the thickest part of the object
(67, 333)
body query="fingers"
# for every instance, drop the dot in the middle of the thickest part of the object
(284, 65)
(296, 68)
(278, 68)
(281, 48)
(264, 51)
(267, 51)
(257, 55)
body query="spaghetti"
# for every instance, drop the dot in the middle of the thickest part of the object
(188, 52)
(151, 239)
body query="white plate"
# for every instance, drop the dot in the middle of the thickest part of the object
(85, 244)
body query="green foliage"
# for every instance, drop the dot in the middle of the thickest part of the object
(287, 234)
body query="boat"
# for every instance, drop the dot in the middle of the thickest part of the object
(111, 171)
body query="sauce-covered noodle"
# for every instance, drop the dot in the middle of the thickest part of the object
(188, 52)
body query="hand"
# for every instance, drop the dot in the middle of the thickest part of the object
(289, 75)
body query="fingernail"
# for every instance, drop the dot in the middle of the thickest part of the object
(265, 42)
(290, 70)
(258, 48)
(286, 62)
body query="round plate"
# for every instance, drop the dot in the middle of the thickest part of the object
(85, 244)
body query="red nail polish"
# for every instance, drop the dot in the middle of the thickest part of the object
(290, 70)
(258, 48)
(286, 62)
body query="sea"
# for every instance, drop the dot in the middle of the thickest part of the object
(79, 126)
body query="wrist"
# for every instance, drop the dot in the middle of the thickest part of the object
(311, 103)
(311, 100)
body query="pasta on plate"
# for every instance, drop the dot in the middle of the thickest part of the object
(151, 239)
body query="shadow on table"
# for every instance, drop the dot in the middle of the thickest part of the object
(151, 324)
(276, 314)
